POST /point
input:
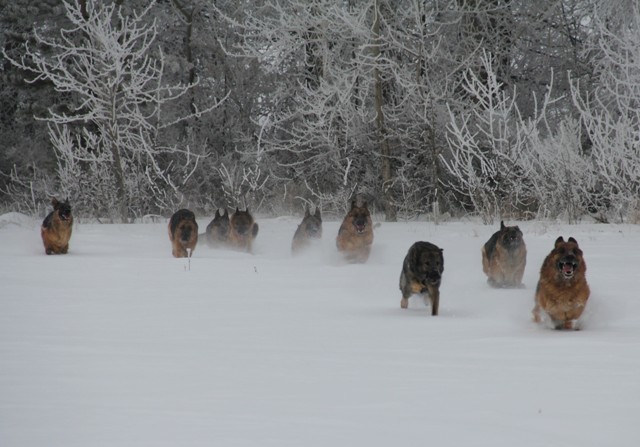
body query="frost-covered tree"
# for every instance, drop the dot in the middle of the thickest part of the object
(25, 164)
(108, 137)
(610, 110)
(505, 165)
(485, 145)
(348, 115)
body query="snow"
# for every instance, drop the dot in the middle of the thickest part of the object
(119, 344)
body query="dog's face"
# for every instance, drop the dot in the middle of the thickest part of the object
(567, 257)
(185, 230)
(510, 237)
(221, 223)
(312, 224)
(428, 266)
(62, 209)
(360, 217)
(242, 222)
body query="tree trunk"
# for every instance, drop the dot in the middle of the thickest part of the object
(390, 212)
(116, 166)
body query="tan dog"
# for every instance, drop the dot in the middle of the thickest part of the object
(56, 228)
(562, 291)
(355, 235)
(183, 233)
(504, 257)
(309, 229)
(421, 274)
(242, 230)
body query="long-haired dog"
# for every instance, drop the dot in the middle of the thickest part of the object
(562, 291)
(504, 257)
(217, 232)
(183, 233)
(56, 228)
(242, 230)
(355, 235)
(421, 274)
(310, 229)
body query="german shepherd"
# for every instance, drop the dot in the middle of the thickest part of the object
(421, 274)
(504, 257)
(183, 233)
(56, 228)
(218, 229)
(355, 235)
(562, 291)
(309, 229)
(242, 230)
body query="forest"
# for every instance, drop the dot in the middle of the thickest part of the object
(499, 109)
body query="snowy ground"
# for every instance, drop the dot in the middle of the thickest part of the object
(119, 344)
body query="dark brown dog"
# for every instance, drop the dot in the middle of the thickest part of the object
(218, 229)
(562, 290)
(421, 274)
(56, 228)
(309, 229)
(504, 257)
(183, 233)
(242, 230)
(355, 235)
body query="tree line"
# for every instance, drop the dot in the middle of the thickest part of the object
(498, 108)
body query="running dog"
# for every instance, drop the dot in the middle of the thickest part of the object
(217, 233)
(242, 230)
(310, 229)
(421, 274)
(504, 257)
(562, 291)
(56, 228)
(183, 233)
(355, 235)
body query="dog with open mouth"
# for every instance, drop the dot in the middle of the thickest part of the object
(355, 235)
(562, 291)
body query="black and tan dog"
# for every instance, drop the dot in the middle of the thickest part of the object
(421, 274)
(243, 229)
(310, 229)
(217, 233)
(504, 257)
(562, 291)
(355, 235)
(56, 228)
(183, 233)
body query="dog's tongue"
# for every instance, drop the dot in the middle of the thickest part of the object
(567, 268)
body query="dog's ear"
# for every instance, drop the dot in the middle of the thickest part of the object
(559, 241)
(54, 202)
(226, 212)
(306, 211)
(573, 240)
(237, 210)
(502, 227)
(353, 204)
(317, 213)
(217, 214)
